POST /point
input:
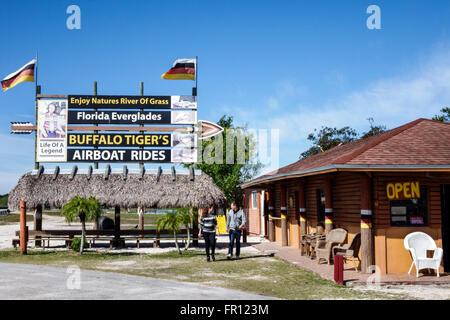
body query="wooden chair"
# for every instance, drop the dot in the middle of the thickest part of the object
(324, 248)
(312, 243)
(350, 250)
(309, 241)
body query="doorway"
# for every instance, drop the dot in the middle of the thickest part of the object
(445, 206)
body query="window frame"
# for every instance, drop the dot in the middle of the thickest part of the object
(423, 203)
(254, 199)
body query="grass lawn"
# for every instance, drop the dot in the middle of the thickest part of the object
(13, 218)
(261, 274)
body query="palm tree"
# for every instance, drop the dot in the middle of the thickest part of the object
(85, 210)
(186, 216)
(170, 221)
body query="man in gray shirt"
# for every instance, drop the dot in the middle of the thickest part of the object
(235, 223)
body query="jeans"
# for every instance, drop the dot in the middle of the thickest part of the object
(235, 235)
(210, 242)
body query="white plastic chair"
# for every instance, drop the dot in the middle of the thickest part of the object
(418, 243)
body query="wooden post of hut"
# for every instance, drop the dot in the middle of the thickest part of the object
(271, 213)
(38, 224)
(141, 218)
(283, 209)
(366, 223)
(23, 227)
(117, 226)
(194, 236)
(302, 212)
(328, 205)
(140, 212)
(195, 229)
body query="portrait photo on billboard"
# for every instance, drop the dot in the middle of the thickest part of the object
(51, 144)
(52, 119)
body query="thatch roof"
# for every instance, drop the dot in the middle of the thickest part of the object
(130, 193)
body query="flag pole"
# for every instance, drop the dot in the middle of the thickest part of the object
(36, 80)
(196, 74)
(37, 91)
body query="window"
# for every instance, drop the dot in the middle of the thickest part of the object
(411, 212)
(254, 200)
(320, 194)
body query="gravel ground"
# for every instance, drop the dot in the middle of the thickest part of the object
(417, 291)
(21, 281)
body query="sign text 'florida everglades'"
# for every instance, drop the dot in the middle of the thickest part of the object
(133, 117)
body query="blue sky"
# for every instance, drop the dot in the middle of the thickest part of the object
(289, 65)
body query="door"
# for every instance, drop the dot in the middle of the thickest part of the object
(445, 205)
(262, 213)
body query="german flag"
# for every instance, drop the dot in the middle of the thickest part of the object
(26, 73)
(183, 69)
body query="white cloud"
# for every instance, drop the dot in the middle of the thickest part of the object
(393, 101)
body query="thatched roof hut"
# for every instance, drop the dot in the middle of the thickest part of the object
(132, 191)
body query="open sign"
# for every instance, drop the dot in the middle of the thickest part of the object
(403, 190)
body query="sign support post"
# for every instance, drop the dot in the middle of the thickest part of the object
(38, 91)
(141, 164)
(95, 148)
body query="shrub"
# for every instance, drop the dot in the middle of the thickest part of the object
(76, 243)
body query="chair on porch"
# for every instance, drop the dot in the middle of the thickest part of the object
(418, 243)
(324, 248)
(309, 241)
(350, 250)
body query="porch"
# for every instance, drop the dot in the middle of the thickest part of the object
(351, 277)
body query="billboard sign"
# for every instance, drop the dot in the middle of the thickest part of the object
(167, 144)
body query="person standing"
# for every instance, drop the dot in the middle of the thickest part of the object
(235, 223)
(208, 224)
